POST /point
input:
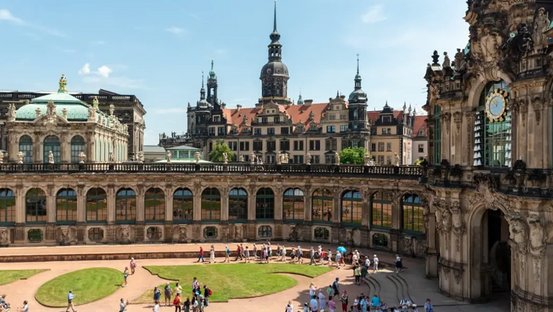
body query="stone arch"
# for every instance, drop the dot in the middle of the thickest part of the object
(479, 84)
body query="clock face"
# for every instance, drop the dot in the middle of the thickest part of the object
(496, 105)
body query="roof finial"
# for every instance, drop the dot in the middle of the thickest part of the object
(275, 20)
(62, 84)
(202, 90)
(211, 65)
(357, 63)
(202, 79)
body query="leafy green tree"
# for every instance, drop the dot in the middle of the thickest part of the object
(352, 155)
(219, 149)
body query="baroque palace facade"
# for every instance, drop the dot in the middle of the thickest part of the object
(305, 132)
(491, 140)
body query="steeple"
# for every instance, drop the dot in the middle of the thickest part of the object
(357, 76)
(212, 88)
(274, 75)
(202, 90)
(357, 117)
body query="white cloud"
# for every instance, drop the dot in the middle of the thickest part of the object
(373, 15)
(6, 15)
(175, 30)
(85, 70)
(104, 71)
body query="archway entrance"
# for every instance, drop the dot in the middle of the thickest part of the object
(491, 257)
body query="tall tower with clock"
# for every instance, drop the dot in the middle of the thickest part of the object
(274, 75)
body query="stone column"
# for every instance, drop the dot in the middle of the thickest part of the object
(197, 212)
(13, 147)
(336, 217)
(140, 203)
(224, 203)
(51, 203)
(81, 204)
(65, 146)
(168, 203)
(251, 203)
(111, 203)
(307, 203)
(432, 252)
(37, 149)
(365, 210)
(278, 203)
(19, 204)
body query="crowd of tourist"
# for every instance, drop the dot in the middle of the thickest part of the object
(173, 296)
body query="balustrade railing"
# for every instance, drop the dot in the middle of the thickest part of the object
(410, 172)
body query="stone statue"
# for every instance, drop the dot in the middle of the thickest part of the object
(64, 113)
(225, 158)
(37, 112)
(50, 157)
(241, 158)
(460, 63)
(91, 114)
(197, 156)
(95, 103)
(168, 155)
(1, 157)
(308, 159)
(446, 220)
(141, 156)
(541, 24)
(447, 62)
(489, 43)
(253, 158)
(4, 237)
(337, 158)
(111, 109)
(82, 157)
(517, 231)
(397, 160)
(62, 84)
(279, 158)
(11, 112)
(111, 157)
(537, 238)
(20, 157)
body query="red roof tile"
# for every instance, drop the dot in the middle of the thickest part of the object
(420, 124)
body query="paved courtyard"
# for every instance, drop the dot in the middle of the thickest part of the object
(410, 283)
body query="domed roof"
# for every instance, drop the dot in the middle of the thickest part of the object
(357, 96)
(274, 69)
(76, 109)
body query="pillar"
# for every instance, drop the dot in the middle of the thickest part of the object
(168, 203)
(224, 203)
(251, 203)
(81, 204)
(197, 209)
(111, 197)
(50, 203)
(307, 203)
(278, 203)
(140, 204)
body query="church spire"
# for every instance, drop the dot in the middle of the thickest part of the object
(275, 20)
(202, 90)
(358, 76)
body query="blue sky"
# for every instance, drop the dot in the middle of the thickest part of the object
(157, 50)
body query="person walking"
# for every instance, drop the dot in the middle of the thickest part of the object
(357, 275)
(227, 253)
(398, 263)
(186, 305)
(157, 294)
(247, 254)
(132, 264)
(336, 287)
(167, 293)
(428, 306)
(125, 276)
(212, 254)
(177, 303)
(25, 307)
(311, 256)
(375, 263)
(70, 298)
(123, 305)
(345, 300)
(201, 255)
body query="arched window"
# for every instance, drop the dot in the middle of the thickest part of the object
(492, 127)
(351, 207)
(183, 205)
(238, 204)
(211, 204)
(51, 143)
(7, 206)
(96, 205)
(381, 209)
(78, 145)
(265, 204)
(322, 205)
(66, 206)
(413, 213)
(154, 205)
(125, 206)
(26, 147)
(437, 138)
(35, 206)
(293, 204)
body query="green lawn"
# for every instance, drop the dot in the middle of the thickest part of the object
(229, 281)
(88, 285)
(9, 276)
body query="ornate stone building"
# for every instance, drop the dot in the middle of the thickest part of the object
(491, 140)
(59, 128)
(127, 108)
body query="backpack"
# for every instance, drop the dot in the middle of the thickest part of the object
(209, 292)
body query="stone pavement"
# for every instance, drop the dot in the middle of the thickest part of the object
(410, 283)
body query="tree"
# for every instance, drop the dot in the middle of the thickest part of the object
(352, 155)
(219, 149)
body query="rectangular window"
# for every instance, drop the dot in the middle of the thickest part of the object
(331, 117)
(421, 148)
(373, 147)
(381, 146)
(388, 147)
(381, 209)
(258, 146)
(216, 118)
(244, 146)
(343, 128)
(298, 159)
(298, 145)
(284, 145)
(315, 159)
(264, 120)
(314, 145)
(211, 131)
(330, 129)
(257, 131)
(384, 131)
(381, 159)
(233, 145)
(221, 131)
(271, 146)
(271, 131)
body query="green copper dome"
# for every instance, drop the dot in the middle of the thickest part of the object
(76, 109)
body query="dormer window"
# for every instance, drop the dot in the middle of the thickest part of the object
(217, 118)
(386, 119)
